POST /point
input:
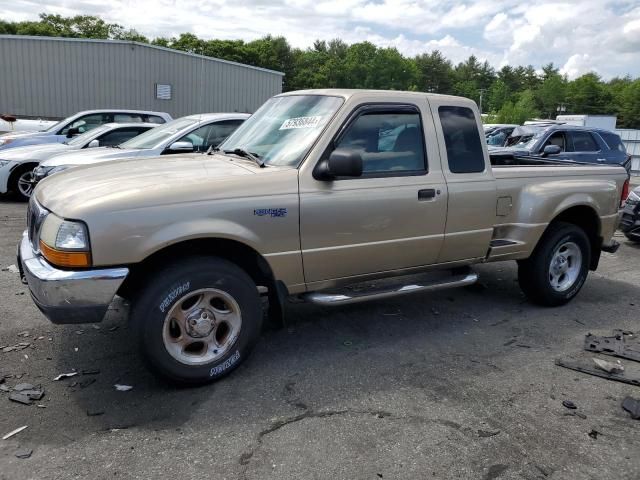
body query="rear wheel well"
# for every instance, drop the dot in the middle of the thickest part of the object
(587, 219)
(239, 253)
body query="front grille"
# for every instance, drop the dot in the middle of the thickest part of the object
(35, 216)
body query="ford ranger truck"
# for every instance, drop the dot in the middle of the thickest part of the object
(317, 191)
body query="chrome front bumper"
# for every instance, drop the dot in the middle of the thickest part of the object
(66, 296)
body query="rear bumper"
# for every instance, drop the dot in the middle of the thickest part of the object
(63, 296)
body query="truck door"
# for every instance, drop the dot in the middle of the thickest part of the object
(390, 218)
(471, 203)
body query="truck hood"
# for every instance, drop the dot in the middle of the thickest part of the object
(146, 182)
(92, 155)
(34, 152)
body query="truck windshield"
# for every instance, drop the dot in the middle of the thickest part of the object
(156, 136)
(283, 130)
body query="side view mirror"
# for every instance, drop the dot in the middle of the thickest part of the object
(94, 143)
(342, 162)
(72, 132)
(181, 147)
(551, 150)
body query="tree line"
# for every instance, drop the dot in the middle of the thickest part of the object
(509, 95)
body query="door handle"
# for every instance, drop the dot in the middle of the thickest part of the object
(426, 194)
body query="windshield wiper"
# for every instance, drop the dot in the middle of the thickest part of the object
(211, 150)
(241, 152)
(114, 146)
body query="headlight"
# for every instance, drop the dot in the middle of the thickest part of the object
(65, 242)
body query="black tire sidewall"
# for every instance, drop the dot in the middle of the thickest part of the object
(13, 182)
(166, 288)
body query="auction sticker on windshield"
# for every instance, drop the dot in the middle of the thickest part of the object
(301, 122)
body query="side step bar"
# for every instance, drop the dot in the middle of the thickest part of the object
(468, 277)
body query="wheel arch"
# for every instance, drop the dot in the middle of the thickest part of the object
(19, 169)
(241, 254)
(585, 217)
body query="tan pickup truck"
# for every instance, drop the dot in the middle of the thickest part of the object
(317, 191)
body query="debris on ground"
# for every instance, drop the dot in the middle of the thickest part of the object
(85, 383)
(569, 404)
(573, 365)
(594, 433)
(94, 413)
(123, 388)
(24, 453)
(23, 386)
(609, 367)
(617, 345)
(12, 269)
(632, 405)
(14, 432)
(16, 347)
(4, 388)
(487, 433)
(65, 375)
(93, 371)
(20, 398)
(34, 394)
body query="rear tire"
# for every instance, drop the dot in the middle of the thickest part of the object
(197, 319)
(558, 267)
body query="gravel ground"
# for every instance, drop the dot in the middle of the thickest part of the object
(458, 384)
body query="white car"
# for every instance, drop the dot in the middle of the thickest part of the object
(80, 123)
(193, 133)
(17, 164)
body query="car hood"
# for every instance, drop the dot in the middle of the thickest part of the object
(20, 135)
(34, 152)
(146, 182)
(91, 155)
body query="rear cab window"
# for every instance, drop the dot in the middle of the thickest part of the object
(462, 140)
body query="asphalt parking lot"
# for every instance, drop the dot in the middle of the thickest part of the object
(458, 384)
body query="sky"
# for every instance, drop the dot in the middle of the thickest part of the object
(578, 36)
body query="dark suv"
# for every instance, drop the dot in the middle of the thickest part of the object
(567, 142)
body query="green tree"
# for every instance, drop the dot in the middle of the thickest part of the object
(587, 94)
(434, 73)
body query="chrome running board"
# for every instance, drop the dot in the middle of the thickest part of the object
(457, 279)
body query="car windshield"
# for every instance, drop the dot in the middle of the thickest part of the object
(57, 126)
(283, 130)
(87, 136)
(525, 137)
(158, 135)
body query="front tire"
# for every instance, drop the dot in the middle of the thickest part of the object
(558, 267)
(197, 319)
(22, 182)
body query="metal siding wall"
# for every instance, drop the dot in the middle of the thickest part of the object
(56, 78)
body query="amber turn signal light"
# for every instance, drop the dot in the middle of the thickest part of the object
(65, 259)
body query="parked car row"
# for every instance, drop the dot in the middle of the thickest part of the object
(558, 141)
(99, 136)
